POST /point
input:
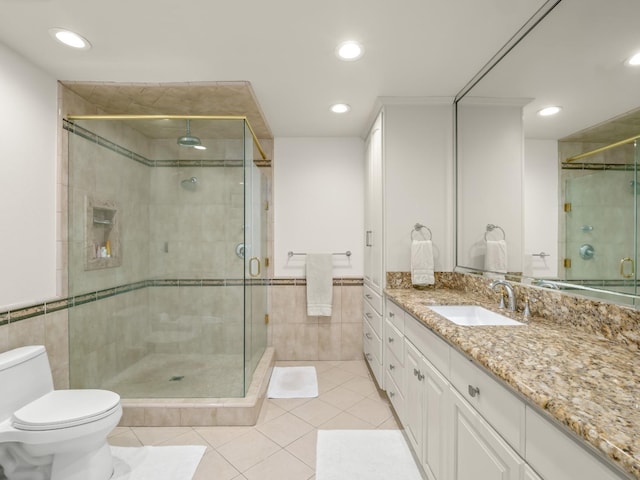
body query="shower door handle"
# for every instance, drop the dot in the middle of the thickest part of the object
(251, 263)
(630, 261)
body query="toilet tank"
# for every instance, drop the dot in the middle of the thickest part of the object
(25, 375)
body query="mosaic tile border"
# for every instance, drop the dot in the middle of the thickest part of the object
(42, 308)
(82, 132)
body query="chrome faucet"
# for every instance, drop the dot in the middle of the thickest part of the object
(511, 298)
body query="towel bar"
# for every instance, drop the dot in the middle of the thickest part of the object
(347, 253)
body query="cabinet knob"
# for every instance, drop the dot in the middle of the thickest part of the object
(391, 314)
(390, 339)
(420, 376)
(391, 366)
(473, 391)
(368, 296)
(368, 315)
(392, 394)
(368, 335)
(415, 372)
(368, 355)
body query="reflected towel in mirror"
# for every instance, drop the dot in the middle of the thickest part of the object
(495, 259)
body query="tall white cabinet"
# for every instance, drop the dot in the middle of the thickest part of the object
(408, 180)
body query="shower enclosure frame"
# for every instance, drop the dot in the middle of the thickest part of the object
(254, 227)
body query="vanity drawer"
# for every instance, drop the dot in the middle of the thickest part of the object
(374, 318)
(430, 345)
(396, 315)
(394, 393)
(393, 341)
(501, 408)
(373, 298)
(371, 343)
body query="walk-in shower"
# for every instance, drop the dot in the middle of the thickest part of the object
(164, 308)
(600, 220)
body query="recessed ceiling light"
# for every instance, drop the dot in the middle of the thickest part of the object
(349, 50)
(634, 60)
(548, 111)
(70, 39)
(340, 108)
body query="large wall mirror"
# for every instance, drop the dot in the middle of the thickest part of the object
(553, 200)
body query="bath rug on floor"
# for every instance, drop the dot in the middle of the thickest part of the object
(156, 463)
(293, 382)
(364, 454)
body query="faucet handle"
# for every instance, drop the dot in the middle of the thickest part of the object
(501, 305)
(526, 313)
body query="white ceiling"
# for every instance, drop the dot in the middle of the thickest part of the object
(284, 48)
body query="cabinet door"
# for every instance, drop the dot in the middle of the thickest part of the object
(414, 394)
(373, 208)
(478, 452)
(435, 417)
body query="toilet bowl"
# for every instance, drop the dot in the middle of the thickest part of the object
(52, 434)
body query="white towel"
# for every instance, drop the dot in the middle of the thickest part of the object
(422, 263)
(495, 259)
(319, 284)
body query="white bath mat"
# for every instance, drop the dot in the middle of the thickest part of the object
(156, 463)
(364, 454)
(293, 382)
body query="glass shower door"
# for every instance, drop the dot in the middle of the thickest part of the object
(255, 296)
(601, 208)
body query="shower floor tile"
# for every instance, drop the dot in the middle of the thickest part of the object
(184, 375)
(279, 458)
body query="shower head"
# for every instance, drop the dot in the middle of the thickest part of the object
(189, 140)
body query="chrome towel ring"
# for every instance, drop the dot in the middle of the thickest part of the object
(491, 227)
(417, 227)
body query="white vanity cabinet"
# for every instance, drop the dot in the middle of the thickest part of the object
(464, 424)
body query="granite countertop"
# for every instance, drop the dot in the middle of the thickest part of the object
(586, 382)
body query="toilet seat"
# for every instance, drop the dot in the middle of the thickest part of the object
(65, 408)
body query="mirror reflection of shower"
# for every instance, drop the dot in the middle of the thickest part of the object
(189, 183)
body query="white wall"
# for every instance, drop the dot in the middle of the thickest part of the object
(541, 207)
(318, 195)
(418, 178)
(27, 181)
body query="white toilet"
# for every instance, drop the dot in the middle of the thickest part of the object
(52, 434)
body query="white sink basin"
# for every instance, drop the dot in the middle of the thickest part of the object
(472, 315)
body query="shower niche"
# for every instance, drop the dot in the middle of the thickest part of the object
(102, 235)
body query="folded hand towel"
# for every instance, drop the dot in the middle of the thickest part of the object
(319, 284)
(495, 259)
(422, 263)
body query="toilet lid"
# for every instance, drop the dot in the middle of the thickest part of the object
(65, 408)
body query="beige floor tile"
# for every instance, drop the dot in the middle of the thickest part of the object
(247, 450)
(356, 366)
(124, 438)
(390, 424)
(269, 411)
(305, 448)
(335, 375)
(363, 386)
(214, 466)
(372, 411)
(316, 412)
(158, 435)
(218, 436)
(285, 429)
(346, 421)
(288, 404)
(189, 438)
(341, 397)
(280, 466)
